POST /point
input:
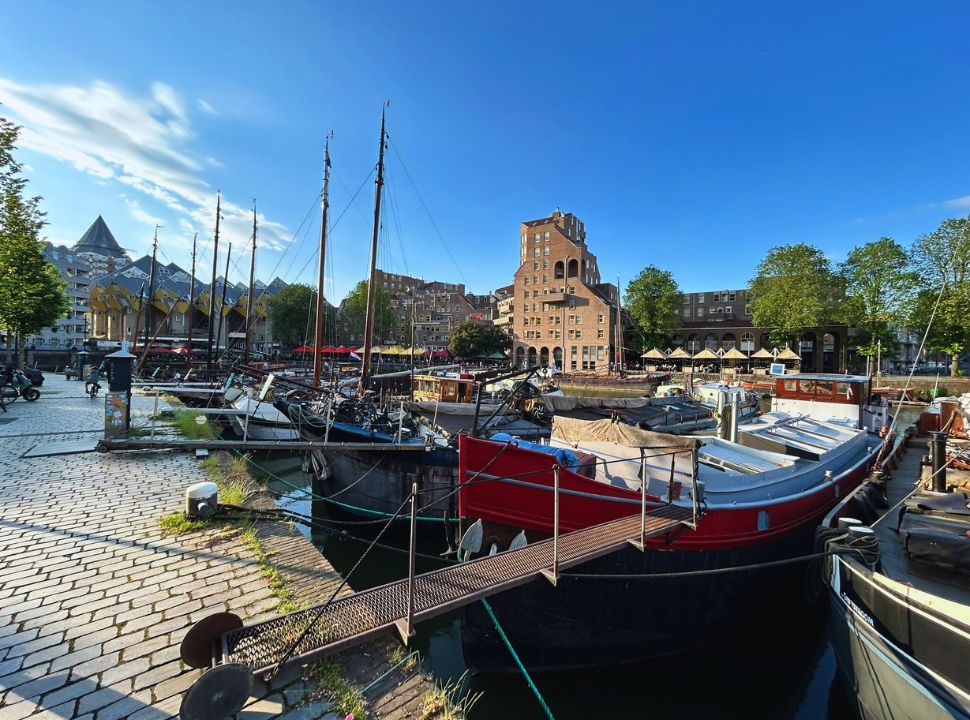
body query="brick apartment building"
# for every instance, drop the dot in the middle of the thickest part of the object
(722, 319)
(560, 312)
(439, 308)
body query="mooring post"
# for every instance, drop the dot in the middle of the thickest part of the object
(555, 524)
(411, 556)
(670, 483)
(643, 500)
(154, 414)
(938, 460)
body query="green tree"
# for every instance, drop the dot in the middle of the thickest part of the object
(472, 339)
(795, 288)
(942, 260)
(879, 287)
(290, 310)
(32, 293)
(653, 300)
(354, 311)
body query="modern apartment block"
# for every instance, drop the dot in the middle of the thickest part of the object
(560, 312)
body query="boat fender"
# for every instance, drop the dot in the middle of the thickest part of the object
(471, 541)
(519, 541)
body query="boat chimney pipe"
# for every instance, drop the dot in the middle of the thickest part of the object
(722, 410)
(938, 460)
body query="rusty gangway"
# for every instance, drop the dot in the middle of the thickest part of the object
(356, 618)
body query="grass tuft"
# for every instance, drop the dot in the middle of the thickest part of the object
(442, 701)
(185, 422)
(277, 584)
(346, 698)
(177, 523)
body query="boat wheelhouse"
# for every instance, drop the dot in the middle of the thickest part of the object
(827, 396)
(449, 388)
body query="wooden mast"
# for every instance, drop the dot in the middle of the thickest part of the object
(191, 298)
(212, 287)
(222, 303)
(324, 206)
(371, 289)
(151, 289)
(251, 300)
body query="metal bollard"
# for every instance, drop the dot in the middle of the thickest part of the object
(938, 460)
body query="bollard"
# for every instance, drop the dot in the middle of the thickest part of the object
(938, 460)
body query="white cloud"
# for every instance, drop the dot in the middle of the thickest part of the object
(961, 203)
(140, 215)
(206, 107)
(142, 143)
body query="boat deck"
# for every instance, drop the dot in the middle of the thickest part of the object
(895, 564)
(353, 619)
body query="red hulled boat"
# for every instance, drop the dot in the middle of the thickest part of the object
(758, 492)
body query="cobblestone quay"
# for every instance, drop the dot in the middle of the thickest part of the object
(95, 599)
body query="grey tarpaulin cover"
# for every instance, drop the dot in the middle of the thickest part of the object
(651, 412)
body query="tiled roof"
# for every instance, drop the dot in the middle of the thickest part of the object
(98, 239)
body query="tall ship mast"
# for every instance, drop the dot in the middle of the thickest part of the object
(324, 206)
(371, 290)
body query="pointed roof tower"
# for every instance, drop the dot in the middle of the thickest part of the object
(99, 240)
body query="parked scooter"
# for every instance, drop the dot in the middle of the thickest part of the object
(16, 383)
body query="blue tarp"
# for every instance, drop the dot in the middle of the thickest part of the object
(565, 456)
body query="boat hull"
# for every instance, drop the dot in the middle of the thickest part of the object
(377, 483)
(583, 622)
(891, 677)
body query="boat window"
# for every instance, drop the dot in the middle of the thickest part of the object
(823, 390)
(791, 386)
(807, 387)
(843, 390)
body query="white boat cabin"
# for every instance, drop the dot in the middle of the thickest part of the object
(834, 398)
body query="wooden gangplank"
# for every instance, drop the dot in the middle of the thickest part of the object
(356, 618)
(164, 443)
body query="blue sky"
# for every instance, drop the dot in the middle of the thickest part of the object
(690, 135)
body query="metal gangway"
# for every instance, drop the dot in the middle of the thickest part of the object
(235, 652)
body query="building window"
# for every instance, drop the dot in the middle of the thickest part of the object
(545, 278)
(579, 333)
(545, 264)
(599, 317)
(700, 299)
(572, 319)
(547, 237)
(572, 334)
(700, 312)
(600, 334)
(733, 297)
(537, 252)
(579, 319)
(545, 250)
(535, 293)
(572, 357)
(747, 309)
(526, 279)
(537, 237)
(535, 265)
(727, 308)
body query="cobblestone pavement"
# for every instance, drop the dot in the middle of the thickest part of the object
(94, 599)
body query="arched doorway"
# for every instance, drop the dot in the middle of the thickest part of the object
(747, 342)
(710, 341)
(544, 357)
(807, 348)
(519, 356)
(728, 341)
(559, 270)
(573, 268)
(557, 358)
(532, 356)
(693, 344)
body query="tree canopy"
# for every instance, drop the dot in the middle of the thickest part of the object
(354, 311)
(942, 260)
(32, 293)
(879, 287)
(471, 339)
(795, 288)
(653, 300)
(289, 311)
